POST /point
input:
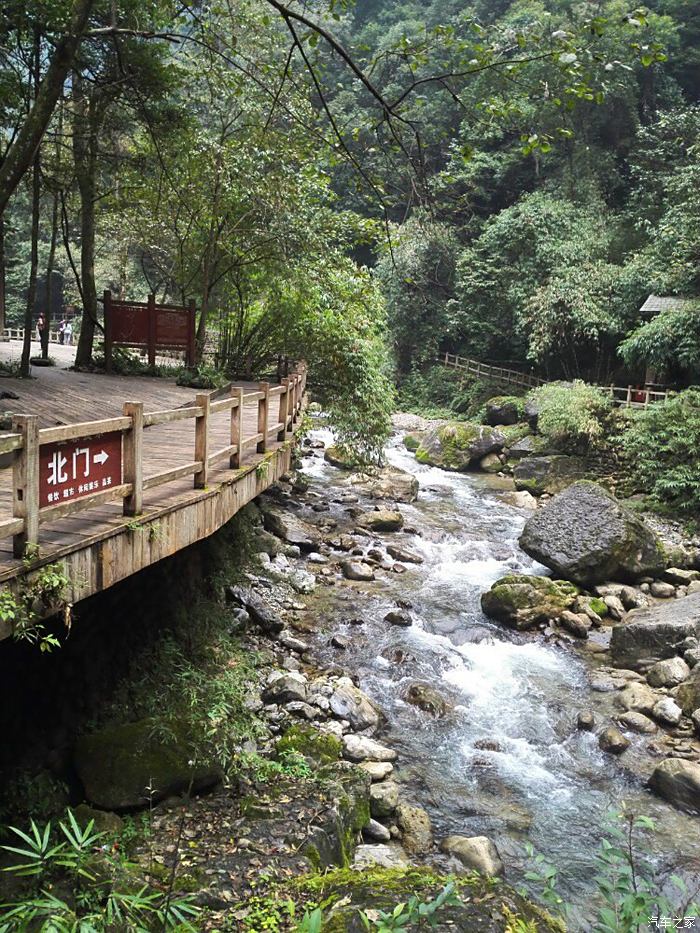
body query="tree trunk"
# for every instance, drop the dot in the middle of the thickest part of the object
(21, 153)
(2, 275)
(33, 266)
(85, 138)
(49, 275)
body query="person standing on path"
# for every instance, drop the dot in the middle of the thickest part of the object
(62, 330)
(68, 334)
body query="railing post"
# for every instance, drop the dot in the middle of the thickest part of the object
(191, 324)
(107, 299)
(133, 458)
(263, 409)
(201, 441)
(236, 427)
(283, 410)
(151, 311)
(289, 405)
(646, 400)
(629, 397)
(25, 483)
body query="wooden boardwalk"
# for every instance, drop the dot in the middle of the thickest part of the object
(59, 397)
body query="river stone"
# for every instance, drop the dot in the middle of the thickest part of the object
(383, 799)
(127, 766)
(491, 463)
(679, 576)
(476, 852)
(285, 688)
(426, 698)
(688, 694)
(611, 740)
(585, 721)
(668, 673)
(390, 483)
(381, 520)
(377, 770)
(638, 722)
(678, 781)
(662, 590)
(667, 712)
(291, 529)
(459, 445)
(539, 475)
(585, 535)
(416, 829)
(696, 721)
(637, 697)
(362, 748)
(403, 554)
(379, 856)
(375, 831)
(357, 570)
(338, 457)
(577, 624)
(656, 632)
(103, 821)
(351, 704)
(503, 409)
(399, 617)
(527, 446)
(522, 602)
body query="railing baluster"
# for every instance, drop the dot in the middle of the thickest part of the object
(236, 427)
(201, 441)
(282, 416)
(25, 483)
(263, 408)
(133, 458)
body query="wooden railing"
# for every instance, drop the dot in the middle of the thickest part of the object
(17, 333)
(278, 410)
(622, 396)
(486, 371)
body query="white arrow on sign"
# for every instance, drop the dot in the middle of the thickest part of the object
(101, 458)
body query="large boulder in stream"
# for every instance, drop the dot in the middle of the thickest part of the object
(381, 520)
(503, 409)
(678, 781)
(653, 633)
(539, 475)
(291, 528)
(127, 766)
(522, 602)
(459, 445)
(584, 534)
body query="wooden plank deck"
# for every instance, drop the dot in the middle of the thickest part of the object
(59, 397)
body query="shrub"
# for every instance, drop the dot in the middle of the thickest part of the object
(661, 448)
(440, 392)
(574, 417)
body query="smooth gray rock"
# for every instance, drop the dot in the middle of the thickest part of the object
(357, 570)
(668, 673)
(291, 529)
(287, 688)
(611, 740)
(381, 856)
(655, 632)
(476, 852)
(667, 712)
(375, 831)
(638, 722)
(584, 534)
(383, 799)
(351, 704)
(678, 781)
(381, 520)
(361, 748)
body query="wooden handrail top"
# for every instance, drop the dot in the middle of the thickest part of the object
(68, 432)
(10, 442)
(173, 414)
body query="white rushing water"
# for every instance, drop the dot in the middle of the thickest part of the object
(507, 761)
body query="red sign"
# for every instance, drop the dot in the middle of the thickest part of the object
(172, 327)
(72, 469)
(130, 325)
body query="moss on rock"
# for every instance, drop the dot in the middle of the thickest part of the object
(522, 601)
(317, 747)
(459, 445)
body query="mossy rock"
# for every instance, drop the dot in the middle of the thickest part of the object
(412, 442)
(484, 905)
(104, 821)
(317, 747)
(597, 604)
(123, 767)
(504, 410)
(459, 445)
(522, 602)
(515, 432)
(339, 457)
(332, 841)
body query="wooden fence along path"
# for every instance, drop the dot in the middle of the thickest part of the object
(623, 396)
(70, 486)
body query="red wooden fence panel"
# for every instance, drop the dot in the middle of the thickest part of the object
(149, 326)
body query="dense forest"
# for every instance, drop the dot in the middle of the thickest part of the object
(510, 180)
